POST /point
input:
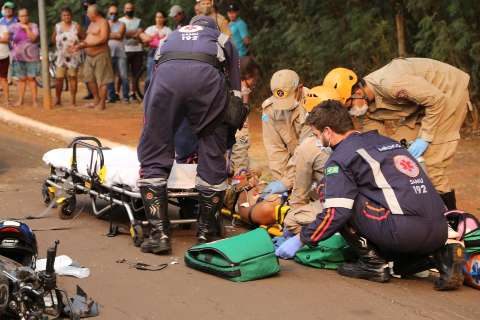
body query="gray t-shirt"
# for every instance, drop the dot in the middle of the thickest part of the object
(132, 45)
(117, 47)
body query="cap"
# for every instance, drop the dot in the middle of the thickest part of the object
(233, 7)
(283, 85)
(174, 10)
(204, 21)
(9, 4)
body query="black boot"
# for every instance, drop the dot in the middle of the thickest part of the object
(412, 265)
(370, 265)
(449, 200)
(210, 225)
(449, 261)
(156, 210)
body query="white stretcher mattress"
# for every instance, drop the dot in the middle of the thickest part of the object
(121, 166)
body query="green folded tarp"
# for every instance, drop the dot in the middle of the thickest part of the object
(328, 254)
(245, 257)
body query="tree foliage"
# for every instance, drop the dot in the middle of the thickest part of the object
(314, 36)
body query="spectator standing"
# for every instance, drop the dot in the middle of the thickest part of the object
(239, 29)
(8, 13)
(207, 8)
(153, 37)
(133, 47)
(179, 17)
(66, 35)
(85, 21)
(98, 64)
(25, 55)
(4, 62)
(119, 58)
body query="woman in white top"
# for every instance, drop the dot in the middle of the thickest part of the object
(153, 37)
(66, 35)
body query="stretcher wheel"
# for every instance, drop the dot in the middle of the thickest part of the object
(67, 208)
(136, 232)
(47, 195)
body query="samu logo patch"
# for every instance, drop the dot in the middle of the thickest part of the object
(332, 170)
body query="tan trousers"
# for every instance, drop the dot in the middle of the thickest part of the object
(302, 216)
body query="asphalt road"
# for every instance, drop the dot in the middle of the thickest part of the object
(178, 292)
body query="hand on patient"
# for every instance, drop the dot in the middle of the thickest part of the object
(275, 187)
(289, 248)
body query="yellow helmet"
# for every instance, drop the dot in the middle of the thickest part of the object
(318, 94)
(342, 80)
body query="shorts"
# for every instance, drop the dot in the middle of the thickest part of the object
(24, 69)
(61, 72)
(99, 69)
(4, 64)
(135, 62)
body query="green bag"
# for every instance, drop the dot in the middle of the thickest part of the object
(328, 254)
(245, 257)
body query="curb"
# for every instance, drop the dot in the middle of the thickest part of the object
(40, 127)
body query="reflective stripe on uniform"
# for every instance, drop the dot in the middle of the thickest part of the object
(221, 41)
(382, 182)
(323, 226)
(338, 203)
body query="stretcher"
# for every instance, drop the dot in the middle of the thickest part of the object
(87, 167)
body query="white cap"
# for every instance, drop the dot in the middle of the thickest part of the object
(174, 10)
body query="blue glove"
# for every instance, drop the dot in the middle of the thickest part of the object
(273, 188)
(418, 147)
(278, 241)
(289, 248)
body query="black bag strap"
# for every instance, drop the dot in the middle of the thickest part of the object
(196, 56)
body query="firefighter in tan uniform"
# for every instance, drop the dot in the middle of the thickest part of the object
(283, 128)
(207, 8)
(421, 100)
(309, 161)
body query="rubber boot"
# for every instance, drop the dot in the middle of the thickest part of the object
(370, 265)
(156, 210)
(210, 224)
(449, 261)
(449, 200)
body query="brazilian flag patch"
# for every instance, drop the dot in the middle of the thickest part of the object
(332, 170)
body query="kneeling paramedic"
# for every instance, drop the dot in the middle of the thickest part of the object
(383, 204)
(190, 81)
(423, 101)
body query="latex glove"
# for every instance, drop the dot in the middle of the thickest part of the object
(278, 241)
(289, 248)
(418, 147)
(274, 188)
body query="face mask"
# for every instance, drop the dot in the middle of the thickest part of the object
(113, 17)
(129, 13)
(358, 111)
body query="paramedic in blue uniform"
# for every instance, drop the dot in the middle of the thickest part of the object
(381, 201)
(196, 68)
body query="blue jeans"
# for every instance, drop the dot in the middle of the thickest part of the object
(119, 65)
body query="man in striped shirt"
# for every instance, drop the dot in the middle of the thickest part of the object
(382, 202)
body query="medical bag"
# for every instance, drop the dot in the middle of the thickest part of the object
(328, 254)
(244, 257)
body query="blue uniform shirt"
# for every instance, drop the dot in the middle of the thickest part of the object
(196, 38)
(239, 31)
(374, 177)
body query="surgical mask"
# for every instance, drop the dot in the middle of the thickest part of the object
(358, 111)
(129, 13)
(113, 17)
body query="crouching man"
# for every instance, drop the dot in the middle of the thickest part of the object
(383, 204)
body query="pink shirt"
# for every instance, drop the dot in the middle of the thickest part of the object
(23, 49)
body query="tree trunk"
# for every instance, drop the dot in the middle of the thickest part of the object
(400, 23)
